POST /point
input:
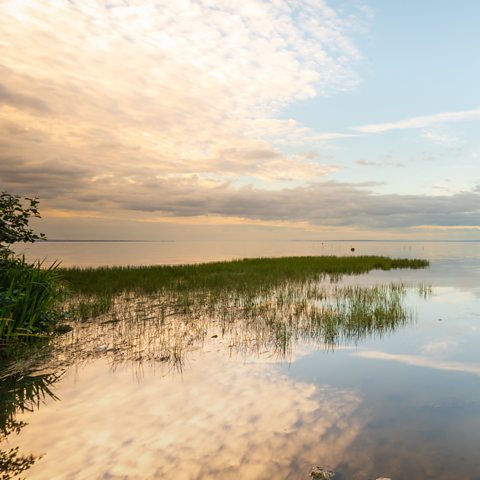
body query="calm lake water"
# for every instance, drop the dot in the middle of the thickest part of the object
(212, 397)
(86, 254)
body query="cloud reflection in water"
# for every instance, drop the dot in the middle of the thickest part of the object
(232, 413)
(222, 417)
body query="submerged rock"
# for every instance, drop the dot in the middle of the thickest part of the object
(101, 348)
(320, 473)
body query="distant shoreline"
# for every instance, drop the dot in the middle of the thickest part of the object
(105, 241)
(290, 240)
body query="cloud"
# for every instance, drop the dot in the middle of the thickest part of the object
(439, 136)
(173, 88)
(420, 361)
(323, 203)
(370, 163)
(19, 100)
(448, 227)
(422, 121)
(44, 179)
(166, 107)
(174, 109)
(288, 132)
(172, 194)
(265, 163)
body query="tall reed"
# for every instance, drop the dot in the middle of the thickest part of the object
(28, 293)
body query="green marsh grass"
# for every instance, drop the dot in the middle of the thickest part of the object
(240, 275)
(28, 295)
(161, 313)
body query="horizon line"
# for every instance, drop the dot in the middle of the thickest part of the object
(78, 240)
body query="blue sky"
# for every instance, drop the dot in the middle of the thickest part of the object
(307, 119)
(419, 59)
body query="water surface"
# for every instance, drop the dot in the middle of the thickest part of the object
(204, 396)
(87, 253)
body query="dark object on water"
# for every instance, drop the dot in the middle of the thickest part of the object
(352, 249)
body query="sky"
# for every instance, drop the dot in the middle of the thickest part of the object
(307, 119)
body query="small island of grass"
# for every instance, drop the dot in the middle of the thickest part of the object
(236, 275)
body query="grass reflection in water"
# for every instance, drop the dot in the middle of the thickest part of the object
(18, 394)
(166, 325)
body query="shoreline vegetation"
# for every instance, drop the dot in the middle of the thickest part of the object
(36, 299)
(29, 292)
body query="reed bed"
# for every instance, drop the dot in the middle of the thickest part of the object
(160, 312)
(239, 275)
(28, 296)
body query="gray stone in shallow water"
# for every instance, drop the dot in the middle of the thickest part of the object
(319, 473)
(101, 348)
